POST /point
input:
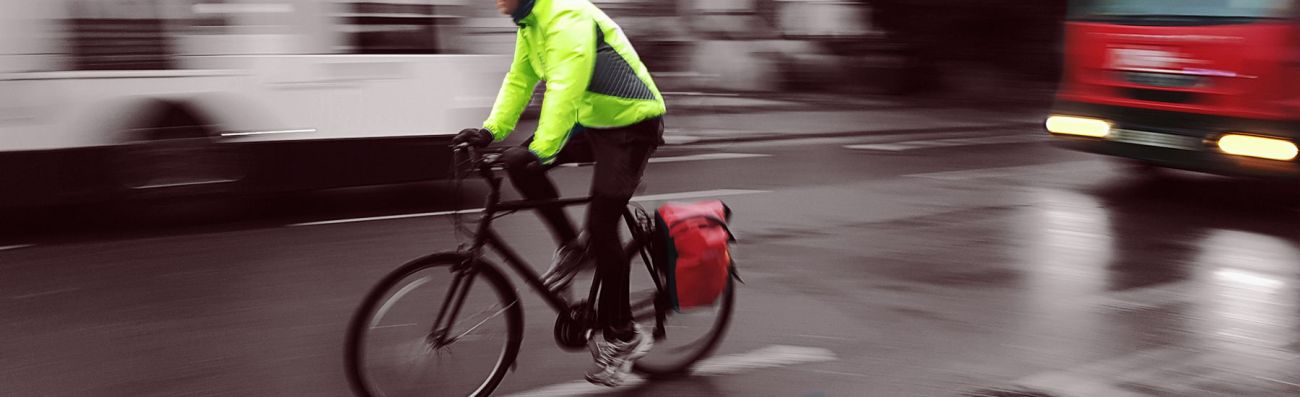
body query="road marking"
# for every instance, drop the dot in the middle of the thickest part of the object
(810, 336)
(251, 133)
(1001, 172)
(656, 197)
(1167, 367)
(937, 143)
(680, 139)
(693, 93)
(699, 194)
(14, 247)
(45, 293)
(1173, 371)
(693, 157)
(707, 156)
(768, 357)
(890, 137)
(1102, 378)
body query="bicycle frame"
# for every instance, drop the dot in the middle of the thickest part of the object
(485, 236)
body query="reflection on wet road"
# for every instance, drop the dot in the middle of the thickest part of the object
(940, 270)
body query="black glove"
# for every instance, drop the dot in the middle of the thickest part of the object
(521, 159)
(476, 137)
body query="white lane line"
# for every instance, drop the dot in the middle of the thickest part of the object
(45, 293)
(14, 247)
(251, 133)
(937, 143)
(1102, 378)
(1175, 371)
(810, 336)
(691, 93)
(655, 197)
(768, 357)
(699, 194)
(680, 139)
(693, 157)
(706, 156)
(1002, 172)
(848, 140)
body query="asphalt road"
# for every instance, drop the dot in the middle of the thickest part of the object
(969, 263)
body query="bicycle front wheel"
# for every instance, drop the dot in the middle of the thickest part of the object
(397, 346)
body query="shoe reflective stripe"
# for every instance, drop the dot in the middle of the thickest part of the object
(609, 377)
(606, 355)
(614, 359)
(604, 374)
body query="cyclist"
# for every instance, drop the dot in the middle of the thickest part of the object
(596, 86)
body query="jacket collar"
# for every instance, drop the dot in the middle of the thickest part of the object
(522, 13)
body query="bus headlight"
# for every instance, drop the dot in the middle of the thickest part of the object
(1080, 126)
(1258, 146)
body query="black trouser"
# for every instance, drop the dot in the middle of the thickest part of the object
(620, 155)
(531, 181)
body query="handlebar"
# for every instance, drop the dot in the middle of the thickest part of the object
(484, 160)
(479, 156)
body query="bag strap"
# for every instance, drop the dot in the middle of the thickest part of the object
(711, 219)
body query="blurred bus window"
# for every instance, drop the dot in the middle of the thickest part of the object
(117, 35)
(394, 26)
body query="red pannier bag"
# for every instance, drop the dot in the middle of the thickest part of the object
(695, 248)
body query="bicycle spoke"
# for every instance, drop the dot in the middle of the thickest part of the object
(397, 296)
(394, 326)
(430, 328)
(480, 323)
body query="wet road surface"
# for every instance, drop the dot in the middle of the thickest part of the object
(965, 263)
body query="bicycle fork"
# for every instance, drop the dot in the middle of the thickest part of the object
(439, 335)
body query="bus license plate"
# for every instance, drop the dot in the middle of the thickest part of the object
(1146, 138)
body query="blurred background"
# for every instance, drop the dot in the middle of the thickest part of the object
(196, 194)
(241, 92)
(106, 100)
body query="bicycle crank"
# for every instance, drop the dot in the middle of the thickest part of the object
(571, 331)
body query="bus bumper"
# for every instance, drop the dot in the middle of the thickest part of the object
(1176, 140)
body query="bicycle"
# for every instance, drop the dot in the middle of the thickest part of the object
(486, 338)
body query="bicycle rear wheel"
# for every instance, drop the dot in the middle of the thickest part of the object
(689, 335)
(392, 346)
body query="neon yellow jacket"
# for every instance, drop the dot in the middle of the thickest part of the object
(593, 76)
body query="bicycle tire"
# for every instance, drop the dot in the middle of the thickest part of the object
(704, 345)
(376, 301)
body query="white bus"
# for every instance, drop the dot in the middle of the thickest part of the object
(106, 99)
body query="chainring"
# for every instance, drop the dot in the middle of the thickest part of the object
(571, 331)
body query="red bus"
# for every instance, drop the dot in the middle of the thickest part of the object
(1205, 85)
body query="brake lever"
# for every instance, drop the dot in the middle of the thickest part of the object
(476, 156)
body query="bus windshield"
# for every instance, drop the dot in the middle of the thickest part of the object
(1159, 12)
